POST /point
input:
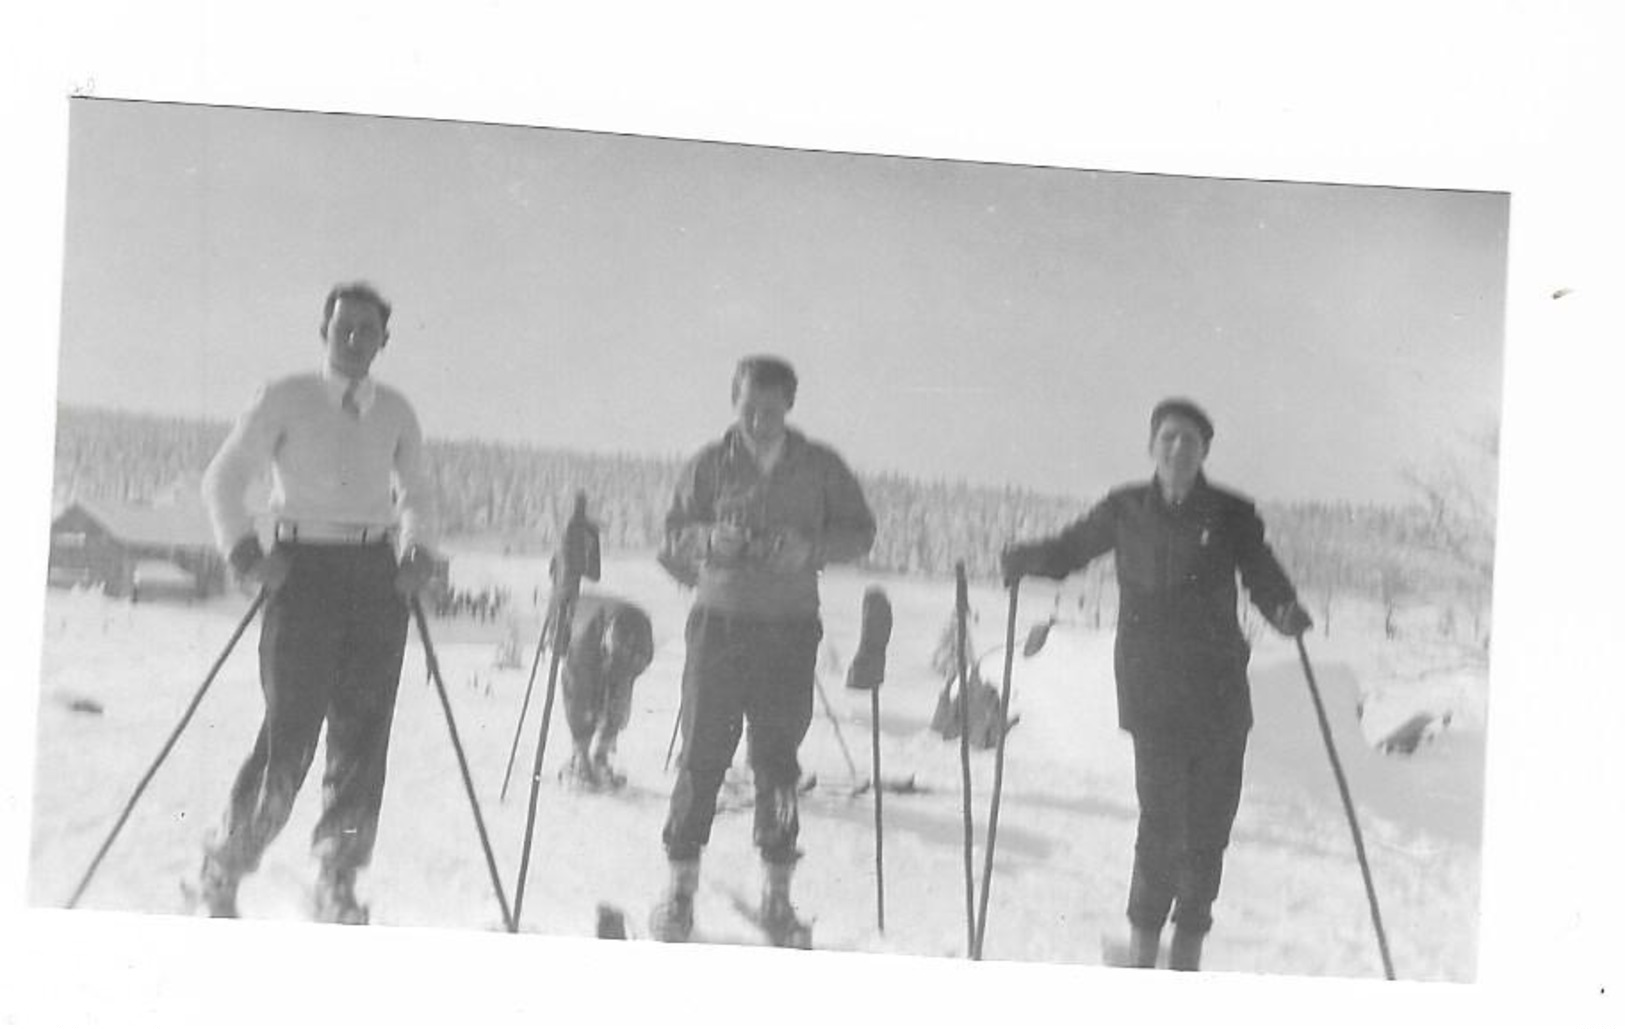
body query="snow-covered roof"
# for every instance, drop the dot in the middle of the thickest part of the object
(183, 523)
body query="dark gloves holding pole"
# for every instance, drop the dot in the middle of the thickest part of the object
(415, 571)
(251, 563)
(1019, 560)
(1290, 619)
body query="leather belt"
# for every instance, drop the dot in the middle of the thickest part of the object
(332, 533)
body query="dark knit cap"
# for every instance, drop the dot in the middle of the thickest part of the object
(1186, 409)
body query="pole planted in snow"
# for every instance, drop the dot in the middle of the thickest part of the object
(169, 744)
(867, 672)
(580, 551)
(1348, 807)
(998, 768)
(524, 706)
(508, 920)
(961, 615)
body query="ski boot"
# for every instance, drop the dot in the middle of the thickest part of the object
(607, 776)
(777, 916)
(1185, 952)
(334, 900)
(580, 773)
(672, 920)
(215, 890)
(1139, 950)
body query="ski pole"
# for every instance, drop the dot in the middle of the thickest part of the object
(961, 613)
(868, 671)
(433, 663)
(676, 723)
(530, 684)
(840, 737)
(880, 827)
(169, 744)
(1348, 807)
(580, 550)
(998, 767)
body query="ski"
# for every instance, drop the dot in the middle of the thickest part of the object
(607, 784)
(614, 924)
(192, 902)
(1115, 952)
(797, 936)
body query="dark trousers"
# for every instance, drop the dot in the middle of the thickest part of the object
(331, 644)
(743, 673)
(1189, 790)
(595, 704)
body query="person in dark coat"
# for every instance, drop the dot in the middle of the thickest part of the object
(611, 643)
(1181, 664)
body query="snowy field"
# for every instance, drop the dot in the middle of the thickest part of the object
(116, 677)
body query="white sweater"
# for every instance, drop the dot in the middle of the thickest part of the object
(327, 465)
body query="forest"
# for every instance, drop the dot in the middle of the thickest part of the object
(1436, 551)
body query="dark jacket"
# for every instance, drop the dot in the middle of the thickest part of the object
(1181, 658)
(608, 637)
(810, 489)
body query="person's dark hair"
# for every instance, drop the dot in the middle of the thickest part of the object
(364, 291)
(1185, 409)
(765, 372)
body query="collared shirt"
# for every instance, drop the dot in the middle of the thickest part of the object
(366, 391)
(327, 465)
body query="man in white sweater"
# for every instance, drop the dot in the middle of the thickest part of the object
(352, 523)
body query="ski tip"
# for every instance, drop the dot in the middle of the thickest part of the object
(611, 923)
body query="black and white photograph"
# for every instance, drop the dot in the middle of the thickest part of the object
(674, 548)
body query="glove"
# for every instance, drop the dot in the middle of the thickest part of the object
(251, 564)
(1290, 619)
(414, 572)
(791, 553)
(1019, 560)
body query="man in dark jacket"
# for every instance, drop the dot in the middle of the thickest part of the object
(1181, 663)
(754, 518)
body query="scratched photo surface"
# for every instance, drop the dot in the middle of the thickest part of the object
(982, 344)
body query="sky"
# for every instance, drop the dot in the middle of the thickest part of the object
(998, 324)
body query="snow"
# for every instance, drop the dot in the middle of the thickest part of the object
(1292, 900)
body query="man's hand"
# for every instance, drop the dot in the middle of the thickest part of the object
(251, 563)
(792, 553)
(1290, 619)
(415, 571)
(727, 542)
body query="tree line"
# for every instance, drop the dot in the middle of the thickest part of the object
(516, 498)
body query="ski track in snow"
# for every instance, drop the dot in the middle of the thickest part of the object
(1292, 900)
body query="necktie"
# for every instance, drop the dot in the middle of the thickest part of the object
(349, 402)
